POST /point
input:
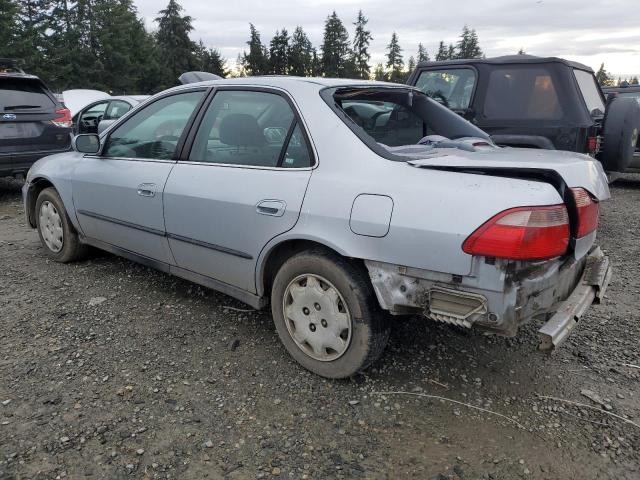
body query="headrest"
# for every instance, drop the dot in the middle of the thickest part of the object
(242, 130)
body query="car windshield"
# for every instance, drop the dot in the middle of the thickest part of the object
(399, 116)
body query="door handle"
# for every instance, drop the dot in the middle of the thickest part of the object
(274, 208)
(147, 189)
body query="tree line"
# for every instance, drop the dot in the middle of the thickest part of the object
(605, 79)
(103, 44)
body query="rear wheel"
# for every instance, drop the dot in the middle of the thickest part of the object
(621, 126)
(326, 314)
(59, 238)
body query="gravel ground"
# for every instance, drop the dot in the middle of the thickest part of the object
(111, 370)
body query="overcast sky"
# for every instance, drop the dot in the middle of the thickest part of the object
(590, 32)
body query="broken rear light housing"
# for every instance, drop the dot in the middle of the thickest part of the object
(63, 118)
(523, 233)
(588, 212)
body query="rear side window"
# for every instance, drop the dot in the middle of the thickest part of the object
(117, 108)
(21, 94)
(250, 128)
(590, 91)
(452, 87)
(153, 132)
(525, 93)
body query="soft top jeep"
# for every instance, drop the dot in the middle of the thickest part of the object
(528, 101)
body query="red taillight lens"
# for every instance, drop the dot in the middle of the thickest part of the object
(592, 145)
(63, 118)
(524, 233)
(588, 212)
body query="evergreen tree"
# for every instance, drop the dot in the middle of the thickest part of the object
(411, 64)
(521, 51)
(634, 81)
(256, 62)
(8, 27)
(279, 53)
(335, 48)
(379, 73)
(210, 60)
(30, 35)
(423, 56)
(451, 52)
(603, 77)
(301, 54)
(361, 40)
(468, 46)
(175, 48)
(395, 63)
(442, 53)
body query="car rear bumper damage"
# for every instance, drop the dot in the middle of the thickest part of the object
(498, 296)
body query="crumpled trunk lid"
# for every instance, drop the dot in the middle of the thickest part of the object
(576, 170)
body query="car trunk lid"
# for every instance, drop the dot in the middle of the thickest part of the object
(574, 170)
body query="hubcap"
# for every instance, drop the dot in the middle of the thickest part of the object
(317, 317)
(51, 226)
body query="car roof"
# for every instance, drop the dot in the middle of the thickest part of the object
(621, 88)
(283, 81)
(21, 75)
(128, 98)
(509, 60)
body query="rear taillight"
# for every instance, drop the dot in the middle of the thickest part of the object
(592, 145)
(523, 233)
(588, 212)
(63, 118)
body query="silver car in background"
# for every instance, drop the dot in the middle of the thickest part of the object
(337, 202)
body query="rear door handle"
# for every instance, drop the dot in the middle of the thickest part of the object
(147, 189)
(274, 208)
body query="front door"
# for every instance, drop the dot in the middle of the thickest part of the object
(242, 184)
(118, 194)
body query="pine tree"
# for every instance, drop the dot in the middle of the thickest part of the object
(451, 52)
(442, 53)
(30, 35)
(379, 73)
(210, 60)
(335, 48)
(468, 46)
(603, 77)
(279, 53)
(256, 62)
(176, 49)
(423, 56)
(395, 63)
(411, 64)
(521, 51)
(634, 81)
(361, 40)
(301, 54)
(8, 27)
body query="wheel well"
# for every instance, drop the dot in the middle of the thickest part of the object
(37, 185)
(285, 250)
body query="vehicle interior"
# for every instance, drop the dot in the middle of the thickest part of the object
(395, 116)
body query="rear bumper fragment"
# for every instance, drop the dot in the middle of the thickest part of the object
(590, 288)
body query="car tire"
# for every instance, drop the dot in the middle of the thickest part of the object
(355, 331)
(621, 127)
(57, 234)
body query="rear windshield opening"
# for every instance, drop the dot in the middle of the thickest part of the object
(20, 94)
(395, 117)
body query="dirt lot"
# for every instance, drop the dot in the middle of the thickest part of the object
(111, 370)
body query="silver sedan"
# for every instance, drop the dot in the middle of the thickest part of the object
(340, 203)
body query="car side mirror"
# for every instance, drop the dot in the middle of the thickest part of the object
(86, 143)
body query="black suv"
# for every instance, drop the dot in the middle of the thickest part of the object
(527, 101)
(33, 123)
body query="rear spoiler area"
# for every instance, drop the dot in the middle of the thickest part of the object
(195, 77)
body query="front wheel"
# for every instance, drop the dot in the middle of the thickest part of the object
(56, 231)
(326, 314)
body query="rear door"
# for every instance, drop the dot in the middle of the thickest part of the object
(118, 194)
(241, 184)
(27, 119)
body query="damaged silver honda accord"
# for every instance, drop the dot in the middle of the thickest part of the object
(338, 202)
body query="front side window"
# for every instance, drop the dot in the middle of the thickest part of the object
(452, 87)
(590, 91)
(250, 128)
(117, 108)
(522, 93)
(91, 117)
(396, 117)
(154, 131)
